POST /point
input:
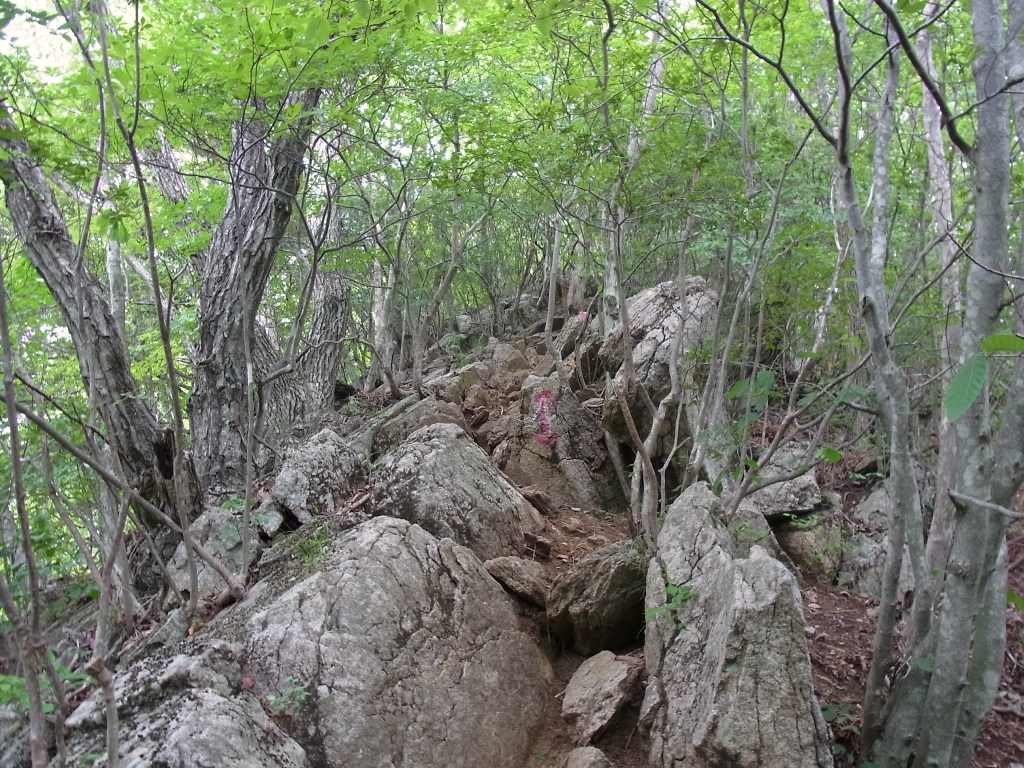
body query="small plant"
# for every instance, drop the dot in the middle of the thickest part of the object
(677, 595)
(291, 698)
(233, 503)
(844, 725)
(14, 694)
(311, 550)
(745, 533)
(802, 522)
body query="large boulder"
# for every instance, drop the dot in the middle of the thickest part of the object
(183, 708)
(319, 475)
(441, 480)
(597, 693)
(794, 497)
(729, 674)
(554, 443)
(598, 603)
(656, 316)
(408, 652)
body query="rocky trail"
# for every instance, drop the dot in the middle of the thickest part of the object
(449, 579)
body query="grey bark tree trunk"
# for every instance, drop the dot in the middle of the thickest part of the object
(938, 710)
(233, 274)
(941, 208)
(130, 425)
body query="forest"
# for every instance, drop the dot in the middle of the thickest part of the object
(218, 216)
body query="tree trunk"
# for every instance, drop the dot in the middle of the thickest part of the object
(233, 274)
(940, 195)
(939, 708)
(131, 427)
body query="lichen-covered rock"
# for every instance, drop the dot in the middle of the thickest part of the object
(815, 546)
(597, 694)
(420, 414)
(598, 603)
(441, 480)
(410, 653)
(219, 531)
(523, 578)
(185, 708)
(799, 495)
(319, 475)
(729, 678)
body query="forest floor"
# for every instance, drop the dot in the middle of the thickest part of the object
(839, 631)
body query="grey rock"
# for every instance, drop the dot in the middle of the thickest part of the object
(597, 694)
(863, 562)
(748, 527)
(729, 678)
(801, 494)
(523, 578)
(412, 655)
(420, 414)
(597, 604)
(873, 511)
(863, 554)
(220, 531)
(319, 475)
(656, 316)
(185, 709)
(441, 480)
(586, 757)
(452, 387)
(567, 457)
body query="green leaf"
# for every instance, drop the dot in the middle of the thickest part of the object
(1003, 342)
(1014, 599)
(545, 24)
(318, 32)
(965, 387)
(362, 8)
(830, 454)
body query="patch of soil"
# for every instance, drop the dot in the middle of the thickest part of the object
(568, 535)
(839, 633)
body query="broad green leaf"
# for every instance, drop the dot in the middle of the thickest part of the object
(317, 32)
(362, 8)
(1014, 599)
(965, 387)
(830, 454)
(1003, 342)
(545, 24)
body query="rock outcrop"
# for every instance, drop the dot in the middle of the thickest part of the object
(441, 480)
(409, 651)
(597, 693)
(401, 651)
(598, 603)
(184, 708)
(729, 675)
(656, 317)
